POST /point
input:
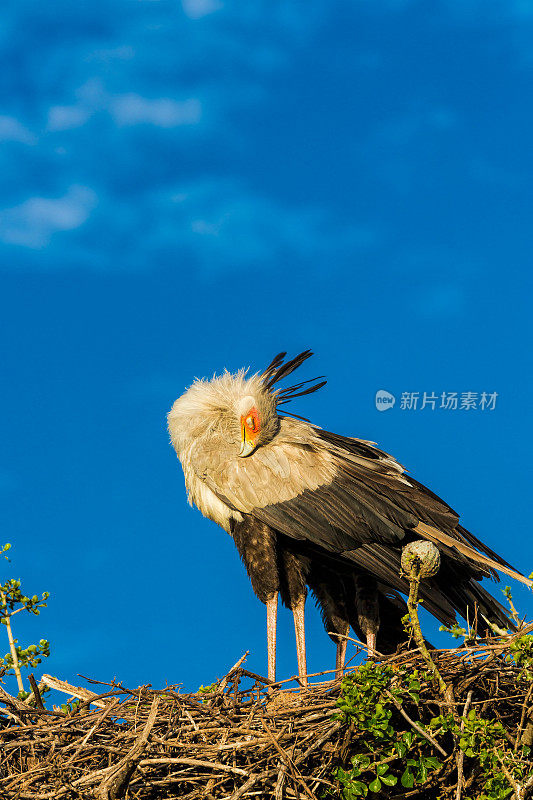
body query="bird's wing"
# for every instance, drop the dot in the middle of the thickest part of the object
(435, 519)
(341, 494)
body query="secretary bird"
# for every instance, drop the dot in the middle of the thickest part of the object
(312, 509)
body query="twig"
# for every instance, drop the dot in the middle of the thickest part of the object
(74, 691)
(7, 622)
(252, 780)
(525, 705)
(255, 677)
(195, 762)
(35, 691)
(14, 703)
(528, 788)
(412, 606)
(278, 791)
(415, 725)
(31, 697)
(225, 680)
(287, 760)
(517, 789)
(113, 785)
(98, 722)
(318, 743)
(460, 753)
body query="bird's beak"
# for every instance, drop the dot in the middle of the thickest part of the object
(247, 444)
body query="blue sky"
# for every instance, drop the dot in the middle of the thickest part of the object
(191, 186)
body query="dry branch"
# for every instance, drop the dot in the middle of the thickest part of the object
(242, 739)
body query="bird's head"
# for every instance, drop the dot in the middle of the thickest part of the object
(233, 412)
(258, 419)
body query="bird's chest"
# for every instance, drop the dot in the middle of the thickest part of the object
(200, 495)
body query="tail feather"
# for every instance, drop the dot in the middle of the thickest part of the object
(438, 537)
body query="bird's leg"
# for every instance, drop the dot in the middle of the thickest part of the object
(371, 642)
(272, 615)
(299, 629)
(367, 604)
(341, 652)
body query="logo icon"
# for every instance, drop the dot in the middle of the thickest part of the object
(384, 400)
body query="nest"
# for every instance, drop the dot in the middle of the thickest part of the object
(242, 738)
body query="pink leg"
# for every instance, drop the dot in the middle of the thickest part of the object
(272, 615)
(341, 654)
(371, 643)
(299, 628)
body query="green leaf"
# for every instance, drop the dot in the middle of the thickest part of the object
(341, 774)
(408, 779)
(389, 780)
(375, 786)
(401, 749)
(358, 788)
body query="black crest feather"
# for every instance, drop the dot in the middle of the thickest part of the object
(279, 369)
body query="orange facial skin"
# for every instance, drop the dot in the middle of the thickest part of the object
(250, 427)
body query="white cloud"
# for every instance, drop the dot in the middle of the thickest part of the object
(133, 109)
(11, 130)
(213, 226)
(195, 9)
(63, 118)
(33, 222)
(126, 109)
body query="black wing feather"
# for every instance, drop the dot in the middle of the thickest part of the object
(365, 516)
(415, 498)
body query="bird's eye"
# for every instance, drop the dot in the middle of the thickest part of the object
(250, 423)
